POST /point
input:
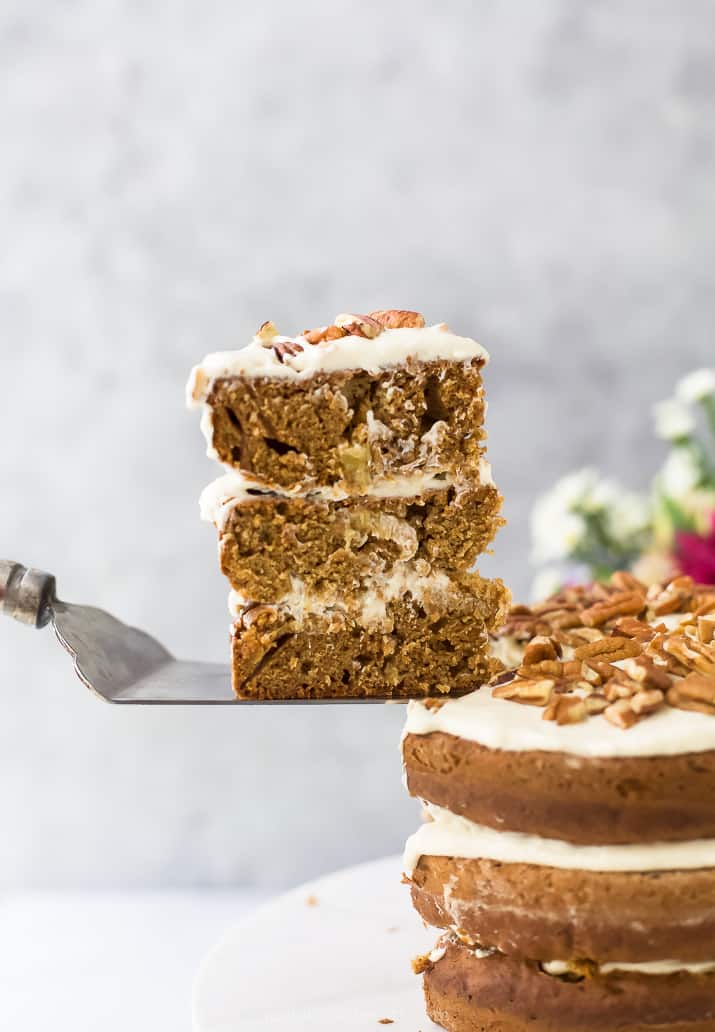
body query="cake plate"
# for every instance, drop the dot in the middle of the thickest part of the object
(332, 954)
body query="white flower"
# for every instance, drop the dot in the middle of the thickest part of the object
(557, 528)
(696, 386)
(628, 517)
(680, 473)
(673, 420)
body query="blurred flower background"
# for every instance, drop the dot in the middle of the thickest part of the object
(587, 525)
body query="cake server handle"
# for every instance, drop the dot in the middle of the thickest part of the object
(26, 595)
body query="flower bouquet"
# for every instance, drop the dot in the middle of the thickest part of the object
(587, 526)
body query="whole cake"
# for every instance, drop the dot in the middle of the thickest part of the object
(356, 500)
(568, 851)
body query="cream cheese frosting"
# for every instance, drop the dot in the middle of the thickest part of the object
(370, 609)
(447, 834)
(499, 724)
(653, 967)
(389, 348)
(232, 489)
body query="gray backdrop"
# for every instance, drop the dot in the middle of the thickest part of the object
(173, 173)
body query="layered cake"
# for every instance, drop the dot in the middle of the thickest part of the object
(568, 851)
(356, 500)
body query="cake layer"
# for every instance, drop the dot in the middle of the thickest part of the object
(432, 641)
(272, 546)
(481, 991)
(530, 910)
(579, 799)
(347, 411)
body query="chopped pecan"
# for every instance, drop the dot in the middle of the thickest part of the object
(266, 332)
(691, 653)
(530, 692)
(358, 325)
(618, 688)
(546, 668)
(670, 598)
(645, 671)
(595, 703)
(629, 627)
(625, 581)
(324, 334)
(610, 650)
(566, 709)
(695, 692)
(620, 714)
(706, 628)
(541, 648)
(397, 318)
(647, 701)
(624, 603)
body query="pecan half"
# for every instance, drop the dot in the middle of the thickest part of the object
(358, 325)
(283, 348)
(398, 318)
(610, 650)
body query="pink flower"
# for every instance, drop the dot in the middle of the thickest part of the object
(696, 555)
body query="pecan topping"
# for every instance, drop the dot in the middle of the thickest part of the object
(529, 692)
(396, 318)
(324, 334)
(601, 649)
(358, 325)
(695, 692)
(283, 348)
(566, 709)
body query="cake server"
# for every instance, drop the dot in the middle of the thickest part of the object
(118, 663)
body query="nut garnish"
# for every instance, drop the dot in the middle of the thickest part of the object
(324, 334)
(695, 692)
(397, 318)
(358, 325)
(566, 709)
(283, 348)
(603, 649)
(266, 332)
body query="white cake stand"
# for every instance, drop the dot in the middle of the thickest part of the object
(338, 965)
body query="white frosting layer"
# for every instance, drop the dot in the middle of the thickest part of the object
(234, 489)
(501, 724)
(390, 348)
(371, 608)
(653, 967)
(449, 835)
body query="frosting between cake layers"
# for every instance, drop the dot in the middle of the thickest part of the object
(232, 489)
(653, 967)
(370, 607)
(499, 724)
(391, 347)
(448, 834)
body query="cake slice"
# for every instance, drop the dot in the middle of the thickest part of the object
(417, 635)
(346, 405)
(357, 500)
(273, 546)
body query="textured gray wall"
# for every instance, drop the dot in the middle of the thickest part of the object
(539, 174)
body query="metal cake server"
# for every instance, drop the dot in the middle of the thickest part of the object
(119, 663)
